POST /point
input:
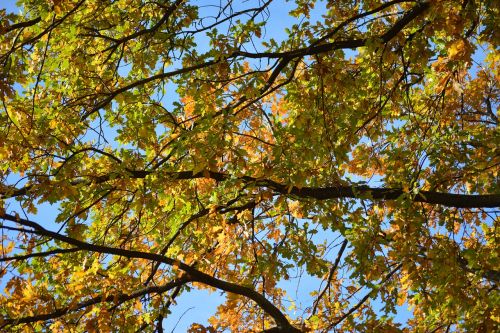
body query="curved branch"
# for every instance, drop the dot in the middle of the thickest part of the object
(193, 274)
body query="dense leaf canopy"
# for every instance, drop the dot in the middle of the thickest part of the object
(192, 145)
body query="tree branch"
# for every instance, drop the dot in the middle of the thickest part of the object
(319, 193)
(285, 57)
(364, 299)
(20, 25)
(117, 299)
(193, 274)
(330, 276)
(38, 254)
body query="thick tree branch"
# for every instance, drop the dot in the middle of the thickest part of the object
(193, 274)
(319, 193)
(20, 25)
(350, 191)
(345, 44)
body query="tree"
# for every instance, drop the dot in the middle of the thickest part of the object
(192, 145)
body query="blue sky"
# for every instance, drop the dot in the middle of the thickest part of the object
(9, 6)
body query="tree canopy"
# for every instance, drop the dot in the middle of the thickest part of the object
(245, 146)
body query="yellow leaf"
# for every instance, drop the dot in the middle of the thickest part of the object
(199, 167)
(456, 48)
(401, 299)
(138, 306)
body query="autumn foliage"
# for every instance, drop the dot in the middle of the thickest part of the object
(184, 145)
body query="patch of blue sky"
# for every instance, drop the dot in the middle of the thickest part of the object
(10, 6)
(197, 306)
